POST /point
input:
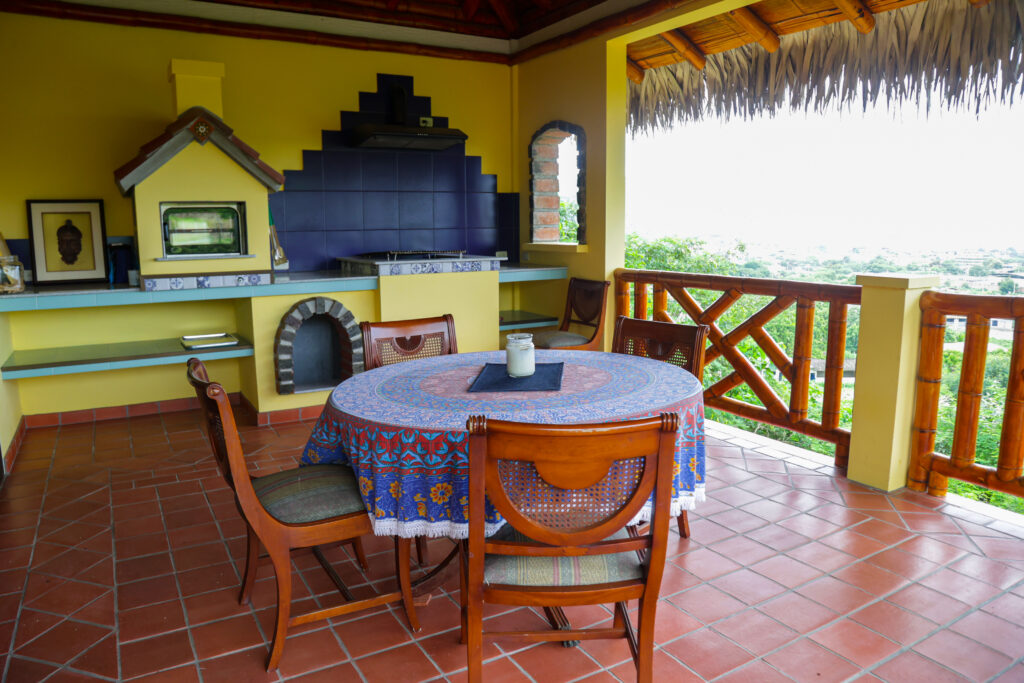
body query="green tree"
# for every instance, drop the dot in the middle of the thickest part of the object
(568, 227)
(1007, 286)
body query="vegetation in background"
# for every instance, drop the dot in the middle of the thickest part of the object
(692, 255)
(568, 210)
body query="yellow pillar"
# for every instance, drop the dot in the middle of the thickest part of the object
(887, 349)
(197, 84)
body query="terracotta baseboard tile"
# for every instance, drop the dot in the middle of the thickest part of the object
(141, 409)
(43, 420)
(177, 405)
(310, 412)
(283, 416)
(111, 413)
(73, 417)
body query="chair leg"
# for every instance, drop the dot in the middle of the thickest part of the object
(684, 524)
(252, 556)
(421, 551)
(645, 640)
(357, 548)
(462, 592)
(474, 640)
(283, 575)
(402, 560)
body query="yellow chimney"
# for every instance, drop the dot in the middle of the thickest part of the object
(197, 84)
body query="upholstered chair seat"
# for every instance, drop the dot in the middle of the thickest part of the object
(309, 494)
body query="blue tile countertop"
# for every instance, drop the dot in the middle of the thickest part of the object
(318, 282)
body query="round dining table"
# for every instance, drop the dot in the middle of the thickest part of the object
(402, 429)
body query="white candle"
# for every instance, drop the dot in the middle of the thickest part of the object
(519, 357)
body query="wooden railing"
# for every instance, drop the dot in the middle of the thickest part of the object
(930, 470)
(724, 344)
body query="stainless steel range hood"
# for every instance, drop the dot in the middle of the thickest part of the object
(396, 136)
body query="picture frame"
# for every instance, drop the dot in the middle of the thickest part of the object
(68, 240)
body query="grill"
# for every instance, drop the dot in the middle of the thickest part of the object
(410, 255)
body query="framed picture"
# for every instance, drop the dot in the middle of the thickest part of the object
(68, 240)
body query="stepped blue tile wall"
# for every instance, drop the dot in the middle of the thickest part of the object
(348, 200)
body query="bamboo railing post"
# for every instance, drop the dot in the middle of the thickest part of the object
(621, 295)
(640, 300)
(661, 304)
(802, 342)
(926, 409)
(968, 398)
(1011, 453)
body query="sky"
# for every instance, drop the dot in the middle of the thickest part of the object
(842, 181)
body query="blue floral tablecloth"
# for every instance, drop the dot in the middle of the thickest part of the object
(402, 428)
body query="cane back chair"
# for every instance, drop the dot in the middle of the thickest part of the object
(569, 494)
(297, 508)
(680, 345)
(585, 305)
(396, 341)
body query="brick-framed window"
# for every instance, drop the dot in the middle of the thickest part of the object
(544, 171)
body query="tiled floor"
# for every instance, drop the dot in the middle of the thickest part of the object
(120, 547)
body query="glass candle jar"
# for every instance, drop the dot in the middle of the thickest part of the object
(519, 357)
(12, 274)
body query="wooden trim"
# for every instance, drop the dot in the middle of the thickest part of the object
(756, 28)
(634, 71)
(858, 14)
(685, 47)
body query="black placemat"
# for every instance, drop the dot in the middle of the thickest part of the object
(494, 377)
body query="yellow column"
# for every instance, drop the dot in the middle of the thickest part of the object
(887, 349)
(197, 84)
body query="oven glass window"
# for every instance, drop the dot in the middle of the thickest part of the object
(203, 228)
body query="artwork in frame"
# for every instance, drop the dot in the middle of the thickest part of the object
(68, 240)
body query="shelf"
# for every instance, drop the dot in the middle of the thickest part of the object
(68, 360)
(521, 320)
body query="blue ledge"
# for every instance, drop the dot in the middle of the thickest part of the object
(532, 273)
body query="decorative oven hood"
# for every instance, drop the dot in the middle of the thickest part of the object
(394, 136)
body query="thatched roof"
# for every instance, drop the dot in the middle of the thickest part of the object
(965, 55)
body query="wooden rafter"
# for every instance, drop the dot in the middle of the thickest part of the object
(469, 8)
(685, 47)
(756, 28)
(634, 71)
(504, 14)
(858, 14)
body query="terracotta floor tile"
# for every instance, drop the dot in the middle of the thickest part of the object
(1012, 675)
(64, 642)
(965, 656)
(145, 567)
(777, 538)
(708, 653)
(835, 594)
(372, 633)
(997, 573)
(1009, 607)
(929, 603)
(960, 586)
(706, 564)
(822, 557)
(993, 632)
(756, 672)
(786, 571)
(755, 631)
(305, 652)
(155, 654)
(152, 620)
(871, 578)
(147, 592)
(748, 586)
(931, 549)
(666, 668)
(902, 563)
(247, 665)
(738, 520)
(100, 659)
(808, 661)
(415, 666)
(855, 642)
(798, 612)
(707, 603)
(26, 671)
(894, 622)
(743, 550)
(910, 666)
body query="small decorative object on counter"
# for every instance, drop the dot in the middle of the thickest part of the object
(12, 275)
(519, 354)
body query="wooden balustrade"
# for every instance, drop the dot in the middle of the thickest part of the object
(930, 470)
(724, 345)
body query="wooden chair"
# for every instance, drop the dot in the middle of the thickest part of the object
(567, 541)
(680, 345)
(297, 508)
(585, 306)
(396, 341)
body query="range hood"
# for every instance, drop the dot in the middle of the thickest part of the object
(396, 136)
(397, 131)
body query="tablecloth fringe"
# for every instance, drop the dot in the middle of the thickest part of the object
(394, 527)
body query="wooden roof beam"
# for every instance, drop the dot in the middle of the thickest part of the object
(858, 14)
(979, 3)
(469, 8)
(634, 71)
(756, 28)
(504, 14)
(685, 47)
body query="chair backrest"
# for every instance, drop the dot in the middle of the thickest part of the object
(222, 430)
(680, 345)
(585, 304)
(572, 486)
(390, 342)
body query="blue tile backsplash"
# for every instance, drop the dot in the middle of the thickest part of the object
(347, 200)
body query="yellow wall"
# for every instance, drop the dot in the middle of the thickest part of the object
(265, 314)
(82, 97)
(10, 399)
(471, 298)
(201, 173)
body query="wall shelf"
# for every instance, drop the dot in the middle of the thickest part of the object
(66, 360)
(521, 320)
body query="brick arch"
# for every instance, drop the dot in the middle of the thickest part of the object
(544, 180)
(345, 325)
